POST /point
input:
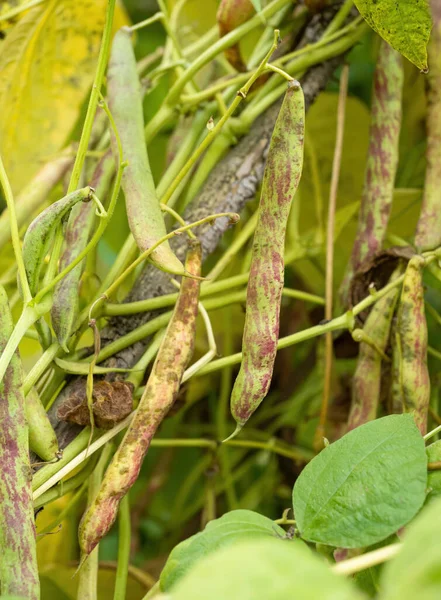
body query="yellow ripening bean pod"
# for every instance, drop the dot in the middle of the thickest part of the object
(159, 395)
(264, 292)
(411, 375)
(125, 101)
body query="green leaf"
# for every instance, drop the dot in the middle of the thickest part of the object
(257, 5)
(434, 477)
(263, 570)
(404, 24)
(234, 525)
(416, 571)
(365, 486)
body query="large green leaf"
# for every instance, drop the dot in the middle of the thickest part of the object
(416, 571)
(263, 570)
(365, 486)
(231, 527)
(405, 24)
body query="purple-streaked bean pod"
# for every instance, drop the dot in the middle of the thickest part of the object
(367, 376)
(428, 230)
(264, 292)
(160, 393)
(125, 101)
(231, 14)
(78, 231)
(412, 375)
(18, 560)
(382, 162)
(40, 232)
(42, 438)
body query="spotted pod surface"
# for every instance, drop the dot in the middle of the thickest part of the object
(382, 162)
(78, 231)
(411, 381)
(18, 560)
(231, 14)
(428, 231)
(160, 393)
(125, 101)
(40, 233)
(367, 377)
(281, 178)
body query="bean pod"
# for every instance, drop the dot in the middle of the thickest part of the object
(367, 376)
(160, 393)
(42, 438)
(231, 14)
(428, 231)
(282, 175)
(376, 201)
(40, 233)
(411, 380)
(79, 228)
(125, 101)
(18, 560)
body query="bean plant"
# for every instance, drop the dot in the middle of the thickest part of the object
(243, 400)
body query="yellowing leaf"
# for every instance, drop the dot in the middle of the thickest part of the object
(404, 24)
(47, 64)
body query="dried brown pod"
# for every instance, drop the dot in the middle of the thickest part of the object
(375, 272)
(112, 402)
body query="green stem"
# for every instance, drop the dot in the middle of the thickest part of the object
(88, 579)
(94, 97)
(124, 535)
(339, 18)
(28, 317)
(103, 221)
(15, 237)
(131, 308)
(40, 367)
(242, 93)
(166, 111)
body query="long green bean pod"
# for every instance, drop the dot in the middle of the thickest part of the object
(282, 175)
(18, 561)
(160, 393)
(367, 376)
(125, 101)
(382, 162)
(428, 231)
(231, 14)
(79, 228)
(40, 233)
(411, 344)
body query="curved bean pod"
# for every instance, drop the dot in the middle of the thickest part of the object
(18, 560)
(42, 438)
(160, 393)
(79, 228)
(125, 101)
(282, 175)
(40, 233)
